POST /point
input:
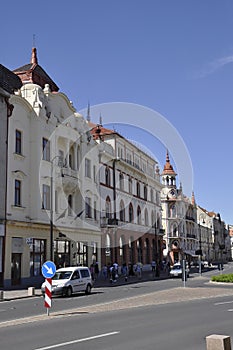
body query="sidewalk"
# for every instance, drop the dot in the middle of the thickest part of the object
(6, 295)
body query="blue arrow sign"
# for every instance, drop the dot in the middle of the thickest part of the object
(48, 269)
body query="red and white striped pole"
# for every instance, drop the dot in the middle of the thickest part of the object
(48, 294)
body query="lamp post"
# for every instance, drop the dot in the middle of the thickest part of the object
(200, 251)
(114, 202)
(157, 272)
(51, 210)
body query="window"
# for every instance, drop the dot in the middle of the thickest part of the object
(138, 189)
(46, 197)
(88, 207)
(145, 192)
(152, 195)
(17, 193)
(95, 211)
(46, 149)
(146, 218)
(138, 215)
(121, 182)
(130, 185)
(61, 162)
(70, 205)
(122, 211)
(87, 168)
(130, 212)
(108, 208)
(18, 142)
(37, 256)
(107, 176)
(94, 173)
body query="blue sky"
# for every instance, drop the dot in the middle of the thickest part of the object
(174, 56)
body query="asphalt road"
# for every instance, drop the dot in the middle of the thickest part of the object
(160, 315)
(10, 310)
(182, 326)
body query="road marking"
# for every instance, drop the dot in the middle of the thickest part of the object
(77, 341)
(224, 302)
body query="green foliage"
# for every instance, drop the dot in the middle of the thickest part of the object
(226, 278)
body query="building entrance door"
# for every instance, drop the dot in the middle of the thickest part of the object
(16, 268)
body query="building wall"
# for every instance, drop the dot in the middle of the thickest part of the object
(40, 114)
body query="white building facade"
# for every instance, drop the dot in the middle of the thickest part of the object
(52, 191)
(130, 201)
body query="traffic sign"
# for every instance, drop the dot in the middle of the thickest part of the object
(48, 293)
(48, 269)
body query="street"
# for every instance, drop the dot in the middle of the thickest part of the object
(181, 326)
(151, 315)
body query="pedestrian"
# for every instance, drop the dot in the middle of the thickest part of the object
(125, 272)
(97, 271)
(92, 270)
(153, 265)
(105, 272)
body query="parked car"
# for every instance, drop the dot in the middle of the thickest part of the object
(176, 270)
(69, 280)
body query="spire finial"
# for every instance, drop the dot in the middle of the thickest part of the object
(88, 112)
(167, 157)
(34, 56)
(101, 120)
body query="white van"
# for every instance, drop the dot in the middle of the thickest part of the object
(69, 280)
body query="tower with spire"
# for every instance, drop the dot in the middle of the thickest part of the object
(168, 174)
(33, 73)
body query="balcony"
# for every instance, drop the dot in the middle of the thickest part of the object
(70, 178)
(108, 222)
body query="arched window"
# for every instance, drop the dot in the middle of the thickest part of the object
(146, 218)
(139, 220)
(108, 208)
(122, 211)
(107, 177)
(121, 176)
(173, 211)
(131, 212)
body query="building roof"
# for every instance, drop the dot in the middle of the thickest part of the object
(8, 80)
(33, 73)
(168, 168)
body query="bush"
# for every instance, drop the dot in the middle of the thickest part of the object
(226, 278)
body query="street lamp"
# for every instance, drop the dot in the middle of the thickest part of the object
(51, 210)
(114, 201)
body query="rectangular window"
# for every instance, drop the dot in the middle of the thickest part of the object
(37, 256)
(46, 197)
(18, 142)
(46, 149)
(87, 168)
(94, 173)
(17, 193)
(88, 207)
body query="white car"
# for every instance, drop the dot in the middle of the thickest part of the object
(69, 280)
(176, 270)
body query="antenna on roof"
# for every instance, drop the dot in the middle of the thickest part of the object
(88, 112)
(101, 120)
(34, 40)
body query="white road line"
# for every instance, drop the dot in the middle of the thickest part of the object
(77, 341)
(224, 302)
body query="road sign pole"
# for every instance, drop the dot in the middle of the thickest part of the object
(48, 294)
